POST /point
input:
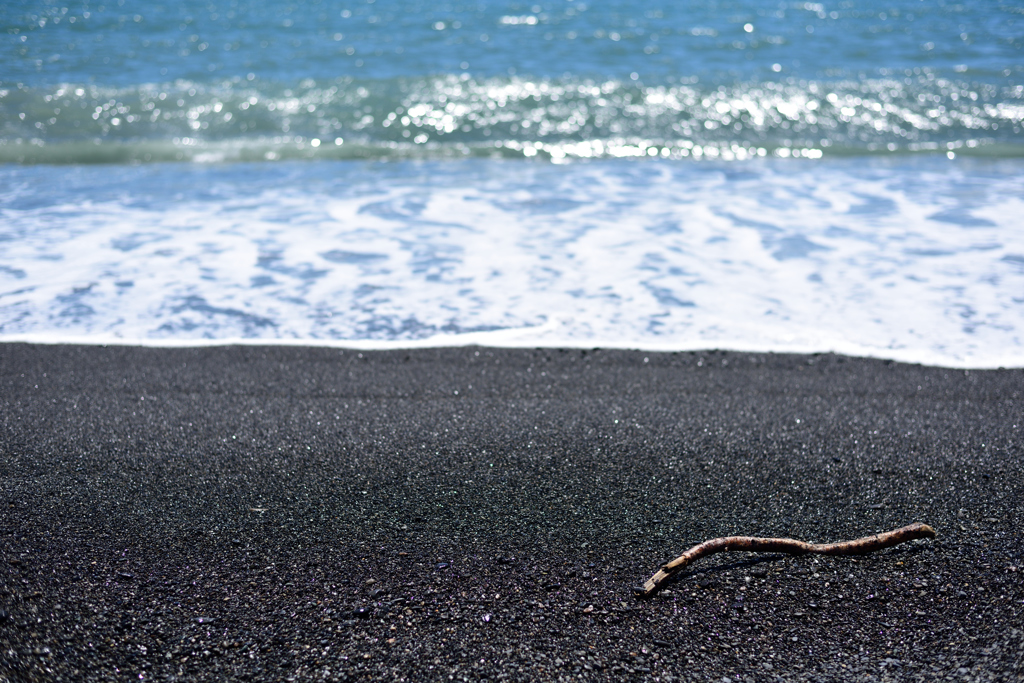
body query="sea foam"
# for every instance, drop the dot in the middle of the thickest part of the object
(920, 259)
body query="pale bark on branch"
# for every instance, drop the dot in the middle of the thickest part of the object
(860, 546)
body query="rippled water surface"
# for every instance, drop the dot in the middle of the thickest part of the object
(258, 80)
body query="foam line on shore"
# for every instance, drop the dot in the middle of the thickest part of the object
(531, 337)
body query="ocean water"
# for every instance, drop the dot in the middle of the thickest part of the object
(789, 176)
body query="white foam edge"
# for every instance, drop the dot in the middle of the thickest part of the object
(529, 337)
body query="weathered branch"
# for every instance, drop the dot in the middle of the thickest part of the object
(860, 546)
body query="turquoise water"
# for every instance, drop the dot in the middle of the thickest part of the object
(776, 176)
(134, 81)
(128, 43)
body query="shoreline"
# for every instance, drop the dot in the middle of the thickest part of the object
(267, 512)
(524, 339)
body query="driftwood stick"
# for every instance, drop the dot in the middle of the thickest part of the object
(860, 546)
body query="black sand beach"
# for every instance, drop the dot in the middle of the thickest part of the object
(280, 514)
